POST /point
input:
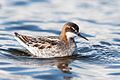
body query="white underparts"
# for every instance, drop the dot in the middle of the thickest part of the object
(70, 35)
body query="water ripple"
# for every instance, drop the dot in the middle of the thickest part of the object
(100, 23)
(20, 3)
(31, 28)
(13, 68)
(117, 74)
(116, 40)
(105, 43)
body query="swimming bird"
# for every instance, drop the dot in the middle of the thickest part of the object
(52, 46)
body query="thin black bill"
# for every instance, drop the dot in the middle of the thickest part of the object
(82, 37)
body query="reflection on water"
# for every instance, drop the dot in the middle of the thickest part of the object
(24, 59)
(98, 59)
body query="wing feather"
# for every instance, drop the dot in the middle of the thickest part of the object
(40, 42)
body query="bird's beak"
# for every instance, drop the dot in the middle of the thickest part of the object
(82, 37)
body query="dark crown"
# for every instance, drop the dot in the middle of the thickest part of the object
(74, 27)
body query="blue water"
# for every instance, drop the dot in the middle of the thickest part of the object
(99, 21)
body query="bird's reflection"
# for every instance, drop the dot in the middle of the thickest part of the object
(24, 58)
(64, 67)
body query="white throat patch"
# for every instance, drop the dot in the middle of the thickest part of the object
(70, 35)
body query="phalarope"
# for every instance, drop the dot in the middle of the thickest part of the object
(52, 46)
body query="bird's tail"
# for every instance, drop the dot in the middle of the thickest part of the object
(22, 38)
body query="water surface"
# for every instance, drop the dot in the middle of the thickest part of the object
(99, 21)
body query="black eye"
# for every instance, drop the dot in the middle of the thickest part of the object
(74, 30)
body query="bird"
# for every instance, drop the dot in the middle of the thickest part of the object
(52, 46)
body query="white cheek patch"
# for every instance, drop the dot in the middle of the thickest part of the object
(70, 35)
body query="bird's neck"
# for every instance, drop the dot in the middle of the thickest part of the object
(63, 37)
